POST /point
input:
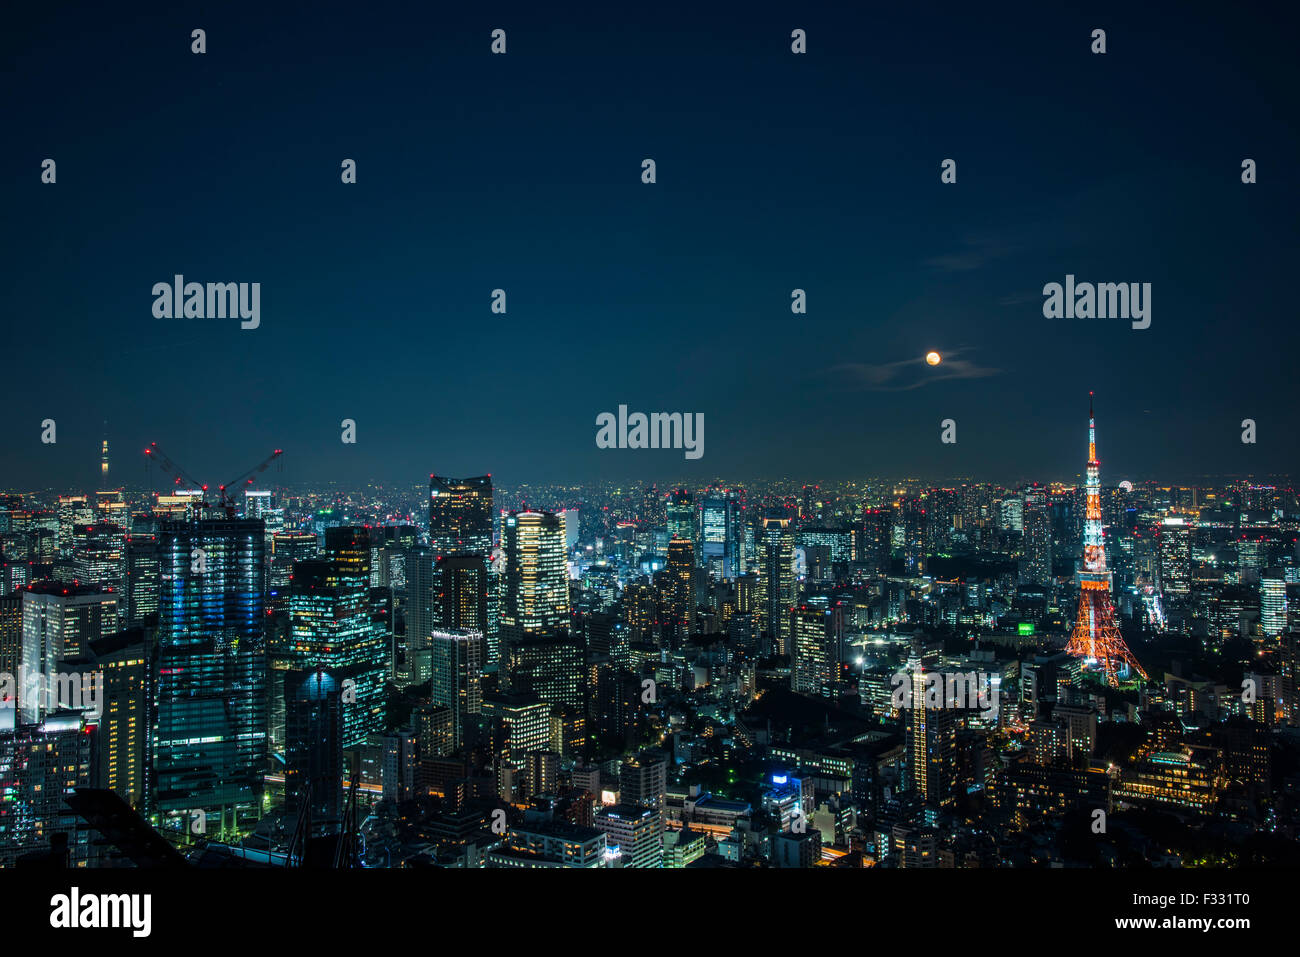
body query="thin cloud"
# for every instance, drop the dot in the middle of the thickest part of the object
(976, 252)
(907, 374)
(1017, 299)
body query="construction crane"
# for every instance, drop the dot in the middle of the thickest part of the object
(179, 475)
(247, 477)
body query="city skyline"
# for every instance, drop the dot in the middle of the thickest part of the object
(790, 437)
(108, 463)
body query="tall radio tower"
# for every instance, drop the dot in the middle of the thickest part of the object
(103, 459)
(1096, 637)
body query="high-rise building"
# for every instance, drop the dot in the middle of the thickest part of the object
(73, 510)
(333, 626)
(875, 541)
(210, 736)
(460, 515)
(456, 669)
(536, 580)
(1175, 537)
(640, 611)
(99, 554)
(644, 781)
(551, 667)
(122, 664)
(460, 522)
(287, 549)
(525, 722)
(462, 587)
(680, 590)
(11, 637)
(634, 835)
(681, 515)
(931, 742)
(1036, 521)
(778, 587)
(422, 613)
(60, 619)
(313, 770)
(40, 766)
(817, 639)
(1012, 514)
(912, 530)
(721, 542)
(142, 577)
(1272, 601)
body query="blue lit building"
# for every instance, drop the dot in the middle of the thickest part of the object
(210, 735)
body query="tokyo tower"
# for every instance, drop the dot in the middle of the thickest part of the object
(1096, 637)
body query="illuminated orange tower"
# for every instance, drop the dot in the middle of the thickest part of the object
(1096, 637)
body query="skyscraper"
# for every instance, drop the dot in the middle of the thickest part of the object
(461, 601)
(1272, 601)
(778, 588)
(816, 638)
(681, 588)
(211, 722)
(287, 549)
(60, 620)
(536, 586)
(421, 614)
(912, 530)
(551, 667)
(99, 555)
(460, 523)
(931, 741)
(1036, 521)
(142, 581)
(41, 765)
(313, 769)
(681, 515)
(875, 541)
(123, 666)
(11, 637)
(73, 510)
(1175, 537)
(456, 670)
(332, 626)
(721, 542)
(460, 515)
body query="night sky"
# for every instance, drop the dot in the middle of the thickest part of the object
(775, 171)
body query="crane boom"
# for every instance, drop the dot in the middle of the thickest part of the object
(255, 470)
(170, 467)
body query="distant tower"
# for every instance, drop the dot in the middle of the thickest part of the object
(103, 460)
(1096, 638)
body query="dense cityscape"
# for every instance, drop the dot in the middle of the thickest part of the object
(448, 442)
(883, 673)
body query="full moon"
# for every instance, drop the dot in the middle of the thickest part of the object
(932, 358)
